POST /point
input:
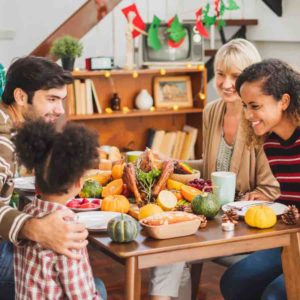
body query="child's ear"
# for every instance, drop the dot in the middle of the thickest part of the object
(285, 101)
(20, 96)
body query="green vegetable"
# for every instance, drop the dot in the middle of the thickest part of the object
(146, 181)
(91, 189)
(122, 229)
(206, 204)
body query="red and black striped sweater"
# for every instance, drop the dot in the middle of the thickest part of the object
(284, 160)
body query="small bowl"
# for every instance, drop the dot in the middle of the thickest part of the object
(185, 178)
(168, 231)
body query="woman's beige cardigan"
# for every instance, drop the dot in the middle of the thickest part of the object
(249, 163)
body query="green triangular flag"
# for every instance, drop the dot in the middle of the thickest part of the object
(176, 31)
(232, 5)
(208, 20)
(153, 40)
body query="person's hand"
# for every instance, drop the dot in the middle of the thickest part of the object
(55, 233)
(255, 195)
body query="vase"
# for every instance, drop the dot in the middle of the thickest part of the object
(68, 63)
(143, 100)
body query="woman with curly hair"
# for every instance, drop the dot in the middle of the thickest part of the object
(270, 92)
(59, 161)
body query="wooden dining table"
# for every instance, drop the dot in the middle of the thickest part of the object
(207, 243)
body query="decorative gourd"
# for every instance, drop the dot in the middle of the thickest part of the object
(117, 203)
(122, 229)
(206, 204)
(260, 216)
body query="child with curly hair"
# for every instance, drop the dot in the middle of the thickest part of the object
(59, 160)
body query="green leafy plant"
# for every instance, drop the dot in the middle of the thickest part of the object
(146, 181)
(67, 46)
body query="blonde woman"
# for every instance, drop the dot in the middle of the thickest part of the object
(224, 149)
(224, 138)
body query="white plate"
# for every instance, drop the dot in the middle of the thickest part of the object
(85, 209)
(26, 183)
(96, 220)
(244, 205)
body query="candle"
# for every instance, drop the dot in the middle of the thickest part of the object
(227, 226)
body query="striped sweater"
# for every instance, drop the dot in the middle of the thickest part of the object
(11, 220)
(284, 160)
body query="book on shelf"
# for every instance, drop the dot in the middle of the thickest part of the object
(157, 140)
(86, 101)
(77, 96)
(193, 138)
(150, 137)
(96, 102)
(174, 144)
(167, 144)
(89, 97)
(82, 101)
(71, 100)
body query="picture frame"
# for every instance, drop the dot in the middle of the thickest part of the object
(173, 91)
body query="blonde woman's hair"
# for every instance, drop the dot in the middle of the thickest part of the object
(237, 52)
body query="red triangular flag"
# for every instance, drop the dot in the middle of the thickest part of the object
(136, 19)
(201, 29)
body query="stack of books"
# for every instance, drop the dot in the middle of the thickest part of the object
(174, 144)
(83, 98)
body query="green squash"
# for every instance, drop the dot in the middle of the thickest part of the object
(122, 229)
(206, 204)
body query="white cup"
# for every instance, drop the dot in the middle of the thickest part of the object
(224, 186)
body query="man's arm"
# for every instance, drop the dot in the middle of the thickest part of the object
(53, 232)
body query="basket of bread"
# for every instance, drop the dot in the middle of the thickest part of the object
(171, 224)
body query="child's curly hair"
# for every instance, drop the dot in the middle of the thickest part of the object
(58, 158)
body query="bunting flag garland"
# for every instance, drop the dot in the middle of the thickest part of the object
(132, 15)
(153, 40)
(209, 14)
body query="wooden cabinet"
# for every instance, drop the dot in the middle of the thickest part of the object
(129, 130)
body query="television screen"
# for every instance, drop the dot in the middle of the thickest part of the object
(191, 51)
(167, 53)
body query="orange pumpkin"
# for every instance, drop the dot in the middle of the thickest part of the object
(117, 203)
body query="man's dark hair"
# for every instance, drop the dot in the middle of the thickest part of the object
(276, 78)
(32, 73)
(58, 158)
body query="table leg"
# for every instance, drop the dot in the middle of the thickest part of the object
(133, 279)
(291, 267)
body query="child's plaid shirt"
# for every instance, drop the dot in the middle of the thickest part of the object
(43, 274)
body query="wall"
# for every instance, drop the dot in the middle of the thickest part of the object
(33, 20)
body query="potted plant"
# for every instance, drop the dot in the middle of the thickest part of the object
(67, 48)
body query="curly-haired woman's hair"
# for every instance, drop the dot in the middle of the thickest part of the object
(276, 78)
(58, 159)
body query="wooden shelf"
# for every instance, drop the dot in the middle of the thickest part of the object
(135, 113)
(84, 73)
